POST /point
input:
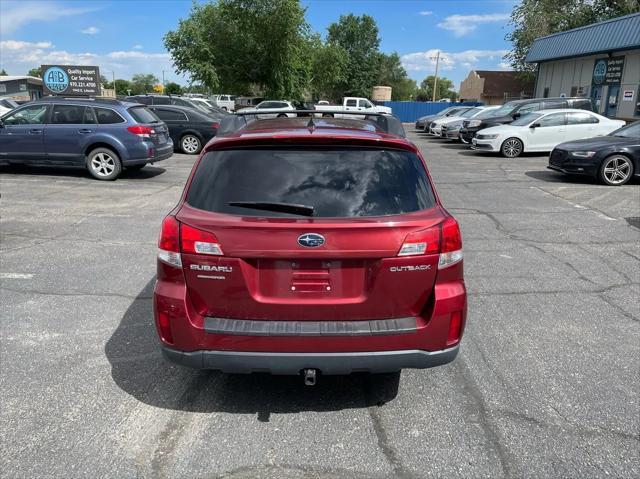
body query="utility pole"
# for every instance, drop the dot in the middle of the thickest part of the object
(163, 80)
(435, 80)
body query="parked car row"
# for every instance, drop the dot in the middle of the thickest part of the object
(106, 135)
(580, 141)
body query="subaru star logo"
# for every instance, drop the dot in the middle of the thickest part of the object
(310, 240)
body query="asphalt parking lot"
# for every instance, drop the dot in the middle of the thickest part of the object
(546, 384)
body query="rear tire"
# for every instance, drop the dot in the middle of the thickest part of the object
(224, 108)
(282, 115)
(104, 164)
(327, 115)
(190, 144)
(616, 170)
(512, 148)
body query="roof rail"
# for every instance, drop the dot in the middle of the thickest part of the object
(109, 101)
(388, 123)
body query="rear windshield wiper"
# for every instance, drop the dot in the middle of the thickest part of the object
(293, 208)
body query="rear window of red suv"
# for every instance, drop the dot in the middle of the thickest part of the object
(336, 183)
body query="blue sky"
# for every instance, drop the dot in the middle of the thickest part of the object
(125, 36)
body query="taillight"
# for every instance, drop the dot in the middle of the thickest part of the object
(455, 327)
(444, 239)
(169, 242)
(421, 242)
(195, 241)
(215, 126)
(141, 131)
(451, 247)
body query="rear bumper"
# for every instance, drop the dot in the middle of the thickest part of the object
(140, 156)
(327, 363)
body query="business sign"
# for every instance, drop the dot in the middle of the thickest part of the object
(627, 95)
(71, 80)
(608, 70)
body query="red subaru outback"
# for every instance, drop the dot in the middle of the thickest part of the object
(304, 246)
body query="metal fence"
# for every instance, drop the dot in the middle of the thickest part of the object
(410, 111)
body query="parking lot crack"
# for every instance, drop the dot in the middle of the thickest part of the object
(384, 445)
(485, 421)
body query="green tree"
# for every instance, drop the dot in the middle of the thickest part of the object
(444, 89)
(3, 72)
(358, 36)
(172, 88)
(123, 87)
(196, 88)
(104, 81)
(240, 45)
(328, 70)
(35, 72)
(532, 19)
(392, 73)
(143, 83)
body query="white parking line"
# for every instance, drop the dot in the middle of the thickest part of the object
(15, 276)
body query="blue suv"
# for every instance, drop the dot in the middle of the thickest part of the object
(102, 135)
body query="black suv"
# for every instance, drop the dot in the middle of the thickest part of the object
(513, 110)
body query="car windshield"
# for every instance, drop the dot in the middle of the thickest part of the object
(629, 131)
(505, 109)
(471, 113)
(486, 113)
(445, 111)
(526, 119)
(335, 183)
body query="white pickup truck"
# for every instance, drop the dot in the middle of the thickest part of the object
(350, 103)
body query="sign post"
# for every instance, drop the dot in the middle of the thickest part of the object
(71, 80)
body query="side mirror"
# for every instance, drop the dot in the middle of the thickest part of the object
(534, 125)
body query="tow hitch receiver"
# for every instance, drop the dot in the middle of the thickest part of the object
(309, 377)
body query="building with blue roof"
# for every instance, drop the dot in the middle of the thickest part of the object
(601, 61)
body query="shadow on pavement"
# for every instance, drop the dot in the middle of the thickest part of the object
(556, 177)
(77, 172)
(139, 369)
(551, 176)
(455, 146)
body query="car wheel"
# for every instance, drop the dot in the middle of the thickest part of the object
(190, 144)
(616, 170)
(327, 115)
(282, 115)
(463, 140)
(104, 164)
(511, 147)
(224, 108)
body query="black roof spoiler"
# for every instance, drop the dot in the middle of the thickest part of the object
(384, 121)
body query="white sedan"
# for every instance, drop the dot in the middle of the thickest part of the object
(542, 131)
(271, 109)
